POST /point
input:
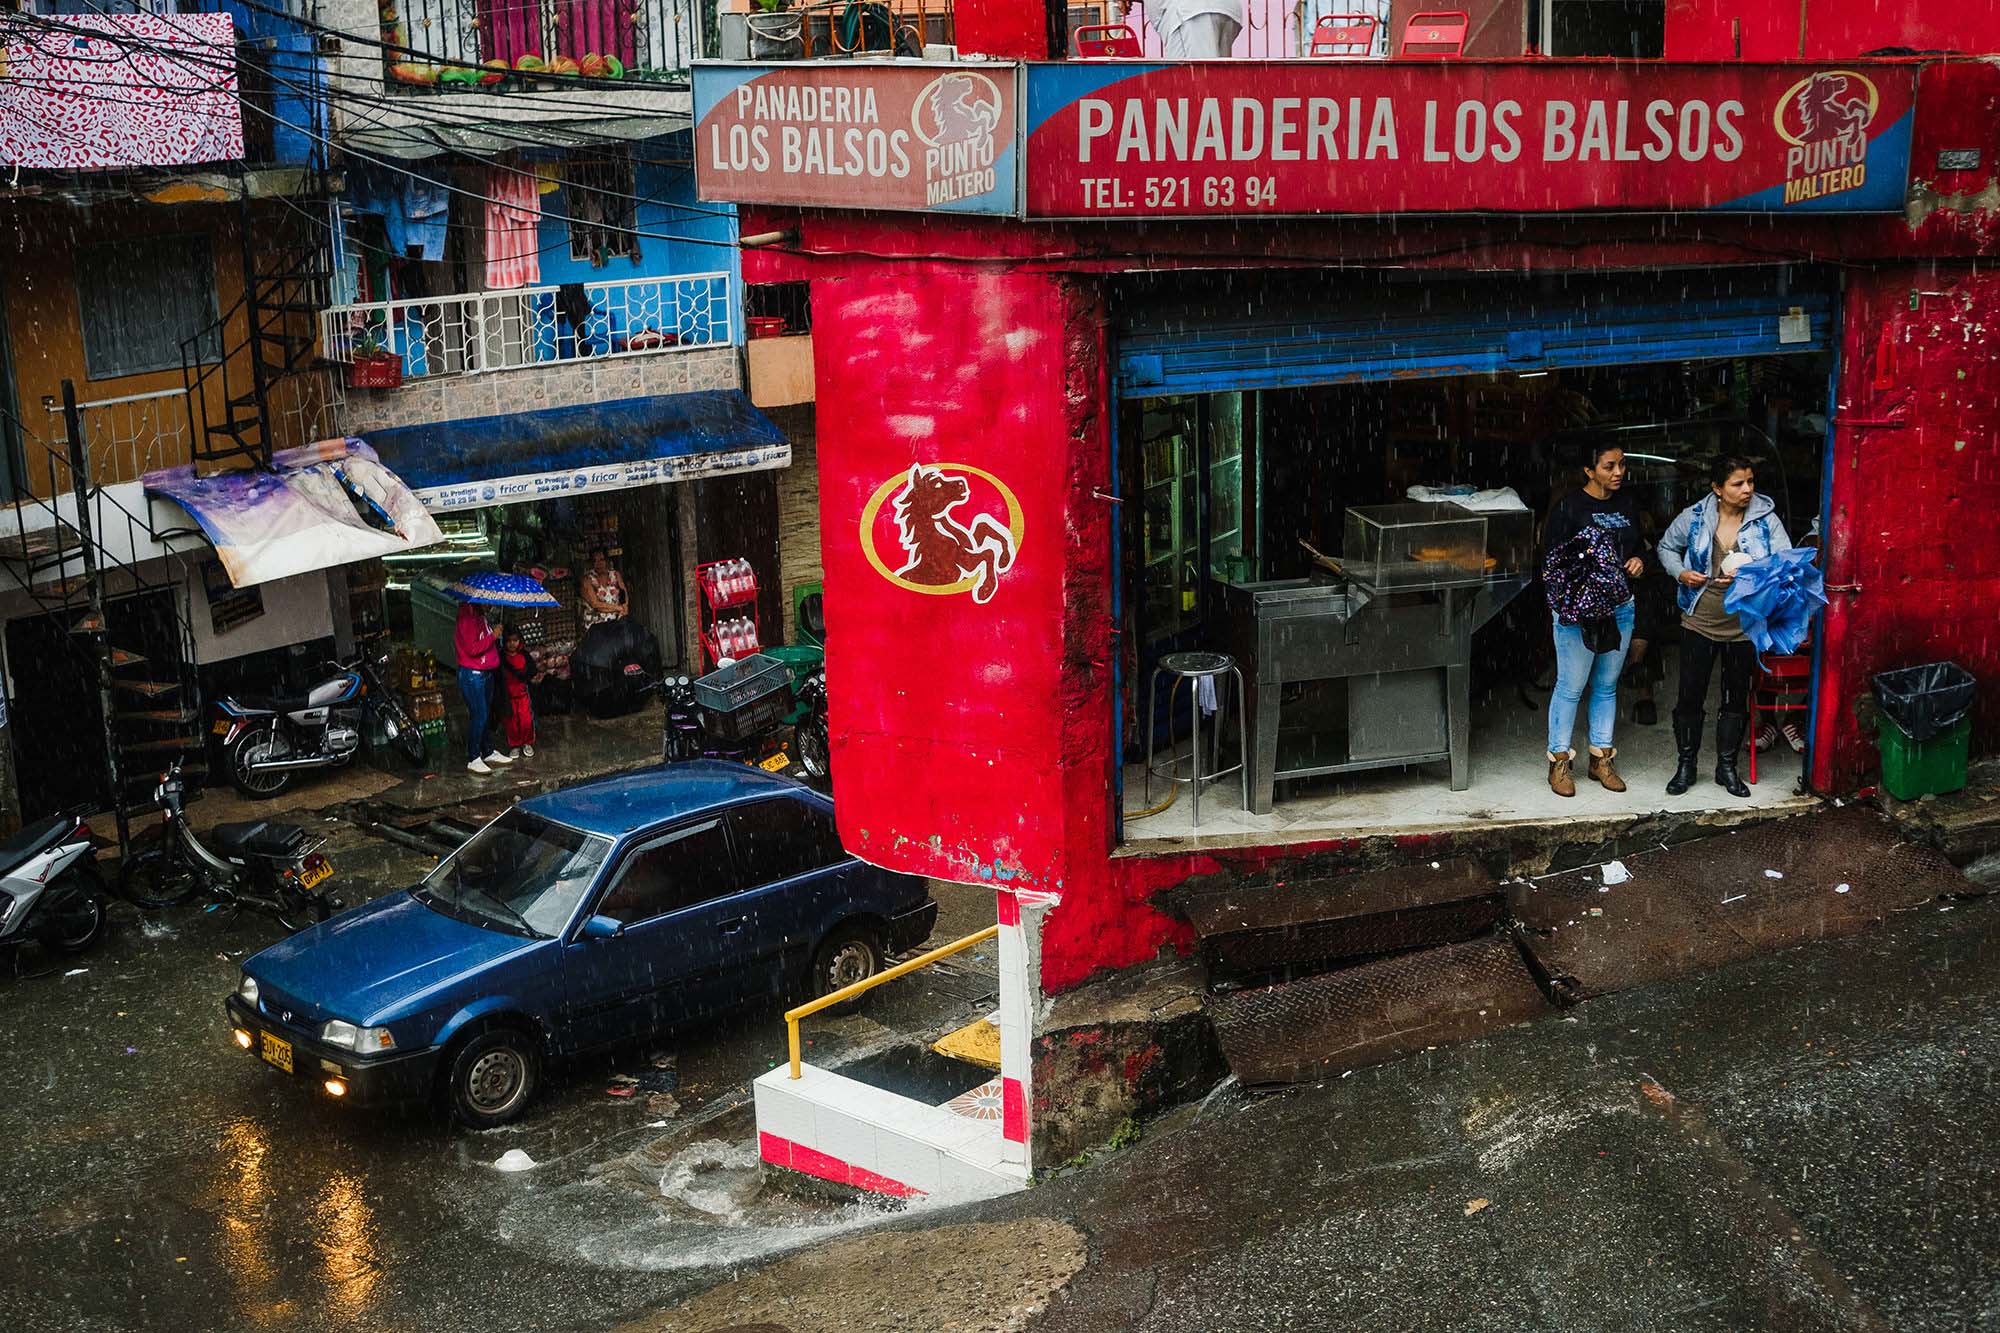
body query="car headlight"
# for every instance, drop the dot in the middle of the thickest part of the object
(362, 1041)
(246, 990)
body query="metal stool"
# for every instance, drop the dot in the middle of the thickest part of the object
(1196, 667)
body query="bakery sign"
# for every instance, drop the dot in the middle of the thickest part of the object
(854, 134)
(1230, 138)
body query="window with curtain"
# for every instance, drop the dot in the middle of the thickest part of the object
(598, 197)
(139, 300)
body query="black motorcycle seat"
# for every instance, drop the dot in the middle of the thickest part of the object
(260, 837)
(33, 840)
(275, 703)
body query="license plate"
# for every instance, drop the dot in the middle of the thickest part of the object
(221, 727)
(277, 1051)
(777, 763)
(314, 872)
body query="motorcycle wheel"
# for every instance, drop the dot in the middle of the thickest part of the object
(297, 908)
(251, 747)
(815, 750)
(76, 921)
(409, 741)
(157, 878)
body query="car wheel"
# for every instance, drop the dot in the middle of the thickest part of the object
(493, 1078)
(852, 953)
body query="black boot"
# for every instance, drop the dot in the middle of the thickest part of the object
(1729, 729)
(1687, 742)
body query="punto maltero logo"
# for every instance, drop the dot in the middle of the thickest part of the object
(1824, 117)
(958, 116)
(942, 552)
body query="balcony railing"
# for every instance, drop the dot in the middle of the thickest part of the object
(528, 43)
(435, 336)
(1274, 29)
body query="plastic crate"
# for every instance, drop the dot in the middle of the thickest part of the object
(742, 682)
(747, 720)
(1913, 768)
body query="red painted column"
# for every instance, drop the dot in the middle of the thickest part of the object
(1004, 29)
(952, 401)
(1912, 551)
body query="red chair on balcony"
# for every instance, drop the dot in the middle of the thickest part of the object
(1343, 37)
(1439, 33)
(1106, 41)
(1783, 684)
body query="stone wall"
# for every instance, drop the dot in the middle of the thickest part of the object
(560, 384)
(798, 509)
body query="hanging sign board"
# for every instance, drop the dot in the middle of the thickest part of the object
(908, 136)
(1233, 138)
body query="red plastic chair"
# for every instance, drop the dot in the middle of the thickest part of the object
(1782, 685)
(1438, 32)
(1343, 37)
(1106, 41)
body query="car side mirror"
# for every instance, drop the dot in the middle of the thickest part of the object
(603, 928)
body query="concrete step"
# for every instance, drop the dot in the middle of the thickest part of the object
(871, 1139)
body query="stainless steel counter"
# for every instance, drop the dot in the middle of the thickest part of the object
(1405, 657)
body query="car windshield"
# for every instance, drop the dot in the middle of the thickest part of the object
(521, 873)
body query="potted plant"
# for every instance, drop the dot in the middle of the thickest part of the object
(375, 366)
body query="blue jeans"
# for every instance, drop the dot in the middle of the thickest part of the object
(1577, 668)
(477, 687)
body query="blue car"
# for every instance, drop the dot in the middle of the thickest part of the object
(594, 916)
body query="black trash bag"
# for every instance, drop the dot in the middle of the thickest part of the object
(1925, 700)
(613, 666)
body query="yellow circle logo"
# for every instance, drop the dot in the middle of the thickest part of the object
(958, 528)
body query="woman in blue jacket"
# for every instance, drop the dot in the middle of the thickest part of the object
(1697, 550)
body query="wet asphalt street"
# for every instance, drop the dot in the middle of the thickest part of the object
(157, 1177)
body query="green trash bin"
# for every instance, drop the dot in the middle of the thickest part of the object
(1913, 768)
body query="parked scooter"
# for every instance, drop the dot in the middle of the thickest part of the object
(50, 890)
(688, 734)
(273, 867)
(268, 742)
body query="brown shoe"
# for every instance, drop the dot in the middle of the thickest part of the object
(1560, 781)
(1600, 770)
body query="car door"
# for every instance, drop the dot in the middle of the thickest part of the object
(656, 970)
(797, 885)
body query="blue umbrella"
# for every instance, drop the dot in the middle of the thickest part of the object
(1776, 598)
(491, 589)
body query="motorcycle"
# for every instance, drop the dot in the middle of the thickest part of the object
(809, 733)
(272, 867)
(50, 890)
(691, 734)
(267, 742)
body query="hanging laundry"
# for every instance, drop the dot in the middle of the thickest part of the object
(513, 218)
(414, 209)
(426, 209)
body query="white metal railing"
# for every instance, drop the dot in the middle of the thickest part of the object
(487, 331)
(1274, 29)
(129, 436)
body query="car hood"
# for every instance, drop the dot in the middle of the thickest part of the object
(365, 962)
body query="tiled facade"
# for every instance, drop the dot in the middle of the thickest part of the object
(562, 384)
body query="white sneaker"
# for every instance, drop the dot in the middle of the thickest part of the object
(497, 758)
(478, 766)
(527, 752)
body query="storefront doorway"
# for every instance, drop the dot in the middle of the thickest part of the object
(1243, 449)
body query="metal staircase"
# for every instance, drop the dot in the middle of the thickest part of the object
(268, 336)
(62, 556)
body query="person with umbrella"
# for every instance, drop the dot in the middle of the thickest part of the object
(477, 641)
(1703, 549)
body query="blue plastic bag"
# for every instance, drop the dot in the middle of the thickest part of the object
(1776, 598)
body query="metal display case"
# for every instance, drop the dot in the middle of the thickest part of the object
(1397, 648)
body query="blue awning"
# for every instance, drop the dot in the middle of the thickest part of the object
(453, 465)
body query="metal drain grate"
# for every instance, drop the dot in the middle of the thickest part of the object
(1375, 1012)
(1703, 904)
(1258, 927)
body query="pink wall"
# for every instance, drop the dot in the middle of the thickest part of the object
(1834, 29)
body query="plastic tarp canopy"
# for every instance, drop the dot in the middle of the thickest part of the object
(320, 505)
(559, 451)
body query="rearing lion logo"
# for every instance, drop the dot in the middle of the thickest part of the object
(941, 550)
